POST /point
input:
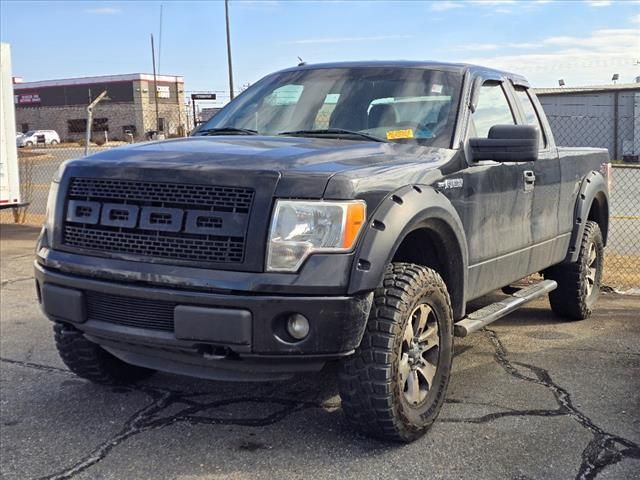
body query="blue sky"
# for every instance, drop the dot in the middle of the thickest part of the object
(583, 42)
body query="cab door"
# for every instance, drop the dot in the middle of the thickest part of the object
(497, 201)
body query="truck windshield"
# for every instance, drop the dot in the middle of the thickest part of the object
(391, 104)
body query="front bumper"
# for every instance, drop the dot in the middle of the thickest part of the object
(211, 335)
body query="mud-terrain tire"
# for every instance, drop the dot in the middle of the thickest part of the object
(409, 337)
(88, 360)
(579, 283)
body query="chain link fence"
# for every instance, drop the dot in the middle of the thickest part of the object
(605, 118)
(40, 154)
(622, 261)
(38, 164)
(608, 119)
(619, 137)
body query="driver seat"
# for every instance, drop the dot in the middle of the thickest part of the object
(443, 115)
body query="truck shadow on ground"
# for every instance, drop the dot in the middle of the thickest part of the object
(181, 400)
(220, 404)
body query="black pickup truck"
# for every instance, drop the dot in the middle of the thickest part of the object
(339, 213)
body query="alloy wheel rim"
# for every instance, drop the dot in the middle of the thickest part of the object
(592, 267)
(419, 354)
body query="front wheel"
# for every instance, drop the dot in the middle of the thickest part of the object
(394, 386)
(53, 142)
(88, 360)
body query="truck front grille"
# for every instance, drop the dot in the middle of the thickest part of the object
(130, 312)
(147, 244)
(169, 221)
(224, 199)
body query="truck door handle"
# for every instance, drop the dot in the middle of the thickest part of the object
(529, 180)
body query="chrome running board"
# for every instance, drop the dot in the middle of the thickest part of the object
(486, 315)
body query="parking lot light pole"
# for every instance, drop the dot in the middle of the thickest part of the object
(90, 120)
(155, 85)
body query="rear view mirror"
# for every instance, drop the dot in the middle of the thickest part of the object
(507, 143)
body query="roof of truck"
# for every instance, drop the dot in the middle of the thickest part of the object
(427, 64)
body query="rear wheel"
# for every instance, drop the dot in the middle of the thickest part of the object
(88, 360)
(579, 283)
(394, 386)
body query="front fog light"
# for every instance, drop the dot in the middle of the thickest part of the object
(298, 326)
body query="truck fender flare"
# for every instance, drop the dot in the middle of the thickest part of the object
(593, 189)
(408, 209)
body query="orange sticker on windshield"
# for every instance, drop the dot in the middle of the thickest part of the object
(397, 134)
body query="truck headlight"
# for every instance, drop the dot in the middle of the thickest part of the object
(53, 196)
(51, 205)
(300, 228)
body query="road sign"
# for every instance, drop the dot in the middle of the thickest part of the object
(203, 96)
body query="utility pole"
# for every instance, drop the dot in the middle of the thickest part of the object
(155, 84)
(226, 14)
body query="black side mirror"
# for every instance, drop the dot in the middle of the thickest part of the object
(507, 143)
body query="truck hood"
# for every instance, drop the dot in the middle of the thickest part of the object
(304, 165)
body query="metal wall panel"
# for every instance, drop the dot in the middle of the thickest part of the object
(607, 119)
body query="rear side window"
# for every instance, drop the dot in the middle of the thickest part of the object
(492, 109)
(530, 115)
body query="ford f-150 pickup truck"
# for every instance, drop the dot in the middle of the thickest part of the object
(331, 214)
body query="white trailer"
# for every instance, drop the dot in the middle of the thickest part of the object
(9, 171)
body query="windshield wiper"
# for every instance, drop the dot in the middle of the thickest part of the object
(228, 130)
(332, 131)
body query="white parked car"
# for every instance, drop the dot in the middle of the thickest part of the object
(33, 137)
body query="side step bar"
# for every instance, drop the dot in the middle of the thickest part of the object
(483, 317)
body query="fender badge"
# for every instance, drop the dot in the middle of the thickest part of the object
(450, 183)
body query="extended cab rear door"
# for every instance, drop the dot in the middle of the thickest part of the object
(548, 245)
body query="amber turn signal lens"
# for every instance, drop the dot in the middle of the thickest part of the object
(355, 220)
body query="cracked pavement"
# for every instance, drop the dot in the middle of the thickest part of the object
(530, 398)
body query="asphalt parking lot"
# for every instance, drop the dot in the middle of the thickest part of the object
(531, 398)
